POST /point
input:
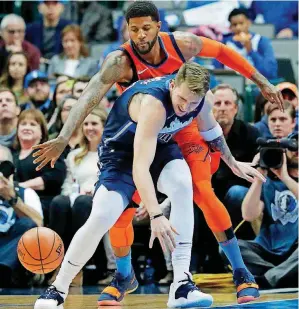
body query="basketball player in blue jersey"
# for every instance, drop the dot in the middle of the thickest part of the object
(137, 151)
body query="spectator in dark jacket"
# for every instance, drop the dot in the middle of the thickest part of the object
(45, 34)
(13, 33)
(252, 46)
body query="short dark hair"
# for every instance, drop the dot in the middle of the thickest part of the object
(142, 9)
(236, 12)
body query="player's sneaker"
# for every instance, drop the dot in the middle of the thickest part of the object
(185, 294)
(50, 299)
(113, 294)
(247, 289)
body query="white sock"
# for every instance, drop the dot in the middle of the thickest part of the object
(107, 208)
(175, 181)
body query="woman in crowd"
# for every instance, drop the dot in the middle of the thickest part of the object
(74, 60)
(14, 74)
(73, 207)
(32, 130)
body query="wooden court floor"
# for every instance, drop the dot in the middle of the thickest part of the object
(157, 301)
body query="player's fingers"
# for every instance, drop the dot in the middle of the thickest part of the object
(162, 242)
(40, 158)
(280, 98)
(53, 161)
(38, 153)
(169, 242)
(172, 239)
(44, 163)
(174, 230)
(257, 174)
(152, 240)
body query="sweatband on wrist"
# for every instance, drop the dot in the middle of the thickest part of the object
(156, 216)
(212, 134)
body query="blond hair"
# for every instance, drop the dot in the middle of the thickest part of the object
(195, 76)
(84, 144)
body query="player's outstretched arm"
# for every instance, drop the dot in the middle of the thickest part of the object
(212, 133)
(113, 70)
(151, 120)
(192, 45)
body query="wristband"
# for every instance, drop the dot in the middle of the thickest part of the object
(212, 134)
(156, 216)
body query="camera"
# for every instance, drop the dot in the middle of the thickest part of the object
(272, 150)
(7, 168)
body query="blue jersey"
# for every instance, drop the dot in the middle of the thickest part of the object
(120, 129)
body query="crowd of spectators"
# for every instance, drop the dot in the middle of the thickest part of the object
(44, 67)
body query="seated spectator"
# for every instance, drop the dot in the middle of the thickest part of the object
(94, 18)
(45, 33)
(62, 115)
(260, 116)
(280, 124)
(290, 93)
(12, 34)
(272, 257)
(9, 112)
(20, 211)
(14, 75)
(32, 130)
(79, 85)
(283, 14)
(252, 46)
(38, 90)
(73, 208)
(74, 60)
(62, 89)
(240, 137)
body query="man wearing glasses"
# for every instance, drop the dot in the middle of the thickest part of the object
(12, 29)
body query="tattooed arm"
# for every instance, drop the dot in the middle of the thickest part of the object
(212, 133)
(207, 122)
(116, 68)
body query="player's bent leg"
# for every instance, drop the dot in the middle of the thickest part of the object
(107, 207)
(219, 222)
(175, 181)
(124, 281)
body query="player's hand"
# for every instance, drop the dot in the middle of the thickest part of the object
(256, 161)
(162, 229)
(246, 171)
(49, 152)
(272, 94)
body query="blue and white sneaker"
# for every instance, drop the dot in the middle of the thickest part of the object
(247, 289)
(114, 293)
(185, 294)
(50, 299)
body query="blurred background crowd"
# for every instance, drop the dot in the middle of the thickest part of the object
(49, 50)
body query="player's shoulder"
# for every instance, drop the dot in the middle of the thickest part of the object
(189, 43)
(118, 58)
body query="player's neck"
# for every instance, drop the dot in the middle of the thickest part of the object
(155, 56)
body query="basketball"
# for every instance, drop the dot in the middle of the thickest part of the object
(40, 250)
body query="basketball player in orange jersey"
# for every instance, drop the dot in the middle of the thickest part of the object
(150, 53)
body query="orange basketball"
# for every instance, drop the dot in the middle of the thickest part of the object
(40, 250)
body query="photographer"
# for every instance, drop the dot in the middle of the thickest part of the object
(20, 211)
(280, 124)
(272, 257)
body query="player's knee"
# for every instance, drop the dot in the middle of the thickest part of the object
(181, 181)
(121, 236)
